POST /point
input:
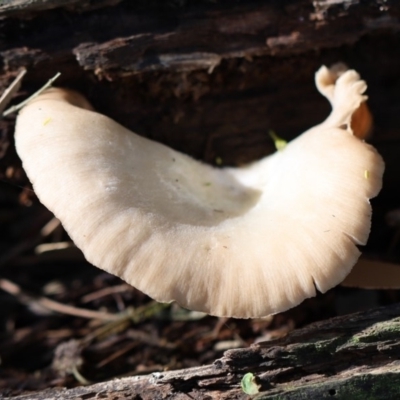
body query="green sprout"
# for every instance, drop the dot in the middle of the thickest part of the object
(280, 143)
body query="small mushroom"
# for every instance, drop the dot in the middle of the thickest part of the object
(242, 242)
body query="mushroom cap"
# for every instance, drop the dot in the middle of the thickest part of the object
(241, 242)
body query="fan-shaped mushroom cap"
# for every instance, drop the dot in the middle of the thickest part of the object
(243, 242)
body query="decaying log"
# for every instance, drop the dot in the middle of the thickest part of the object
(115, 44)
(210, 78)
(350, 357)
(27, 7)
(207, 78)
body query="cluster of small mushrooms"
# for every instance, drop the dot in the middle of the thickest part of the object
(242, 242)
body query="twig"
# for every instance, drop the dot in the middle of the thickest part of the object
(17, 107)
(28, 244)
(108, 329)
(106, 292)
(50, 227)
(11, 90)
(147, 311)
(116, 354)
(79, 377)
(25, 298)
(124, 319)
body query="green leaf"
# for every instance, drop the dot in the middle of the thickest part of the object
(280, 143)
(249, 384)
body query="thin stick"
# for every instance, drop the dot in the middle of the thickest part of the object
(106, 292)
(17, 107)
(79, 377)
(142, 313)
(25, 298)
(15, 251)
(11, 90)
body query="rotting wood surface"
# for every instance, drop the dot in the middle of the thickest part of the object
(350, 357)
(210, 79)
(123, 40)
(27, 7)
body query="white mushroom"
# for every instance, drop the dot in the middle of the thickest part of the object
(242, 242)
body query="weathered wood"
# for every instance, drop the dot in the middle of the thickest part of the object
(27, 7)
(202, 39)
(224, 114)
(114, 44)
(210, 79)
(351, 357)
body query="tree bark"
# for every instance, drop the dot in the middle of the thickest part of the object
(349, 357)
(210, 79)
(113, 44)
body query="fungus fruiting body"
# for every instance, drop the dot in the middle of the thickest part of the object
(242, 242)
